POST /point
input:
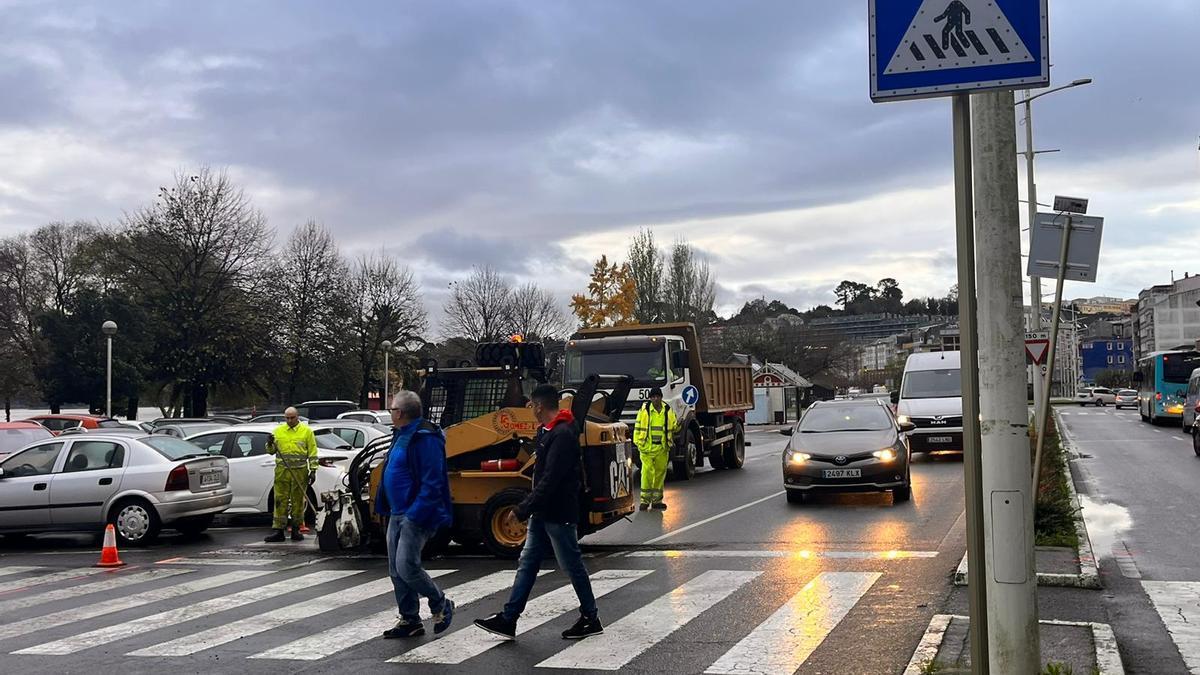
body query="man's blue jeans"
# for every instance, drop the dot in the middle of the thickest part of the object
(405, 539)
(541, 537)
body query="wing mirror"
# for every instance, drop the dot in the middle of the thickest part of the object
(787, 432)
(895, 396)
(906, 427)
(680, 359)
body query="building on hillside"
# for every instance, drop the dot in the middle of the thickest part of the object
(1104, 305)
(1167, 316)
(860, 328)
(1098, 354)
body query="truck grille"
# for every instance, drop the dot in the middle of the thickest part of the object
(945, 422)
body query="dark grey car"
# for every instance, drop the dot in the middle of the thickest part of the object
(847, 446)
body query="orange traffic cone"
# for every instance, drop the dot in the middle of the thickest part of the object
(108, 555)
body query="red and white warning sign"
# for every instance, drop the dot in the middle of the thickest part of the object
(1037, 345)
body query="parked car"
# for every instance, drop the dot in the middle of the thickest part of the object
(16, 435)
(134, 424)
(324, 410)
(1097, 396)
(372, 416)
(222, 419)
(276, 418)
(185, 429)
(252, 470)
(847, 446)
(119, 431)
(357, 434)
(1126, 398)
(60, 423)
(139, 485)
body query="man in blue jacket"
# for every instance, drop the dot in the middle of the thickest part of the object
(414, 495)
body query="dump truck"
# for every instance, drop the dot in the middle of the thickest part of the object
(490, 453)
(709, 399)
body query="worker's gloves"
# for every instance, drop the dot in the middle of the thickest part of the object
(312, 477)
(522, 513)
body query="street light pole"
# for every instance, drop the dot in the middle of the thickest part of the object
(1035, 283)
(109, 328)
(387, 349)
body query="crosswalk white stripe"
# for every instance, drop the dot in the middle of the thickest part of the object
(473, 641)
(634, 633)
(783, 642)
(339, 638)
(117, 581)
(16, 569)
(1178, 603)
(17, 584)
(799, 555)
(119, 604)
(183, 614)
(260, 623)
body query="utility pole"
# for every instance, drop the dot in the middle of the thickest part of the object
(1035, 283)
(1008, 514)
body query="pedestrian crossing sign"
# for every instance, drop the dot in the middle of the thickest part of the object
(926, 48)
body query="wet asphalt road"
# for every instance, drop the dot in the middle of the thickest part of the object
(730, 577)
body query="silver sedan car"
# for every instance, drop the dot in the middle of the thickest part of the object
(140, 485)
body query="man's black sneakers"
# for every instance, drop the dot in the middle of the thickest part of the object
(274, 537)
(659, 506)
(584, 627)
(496, 624)
(404, 629)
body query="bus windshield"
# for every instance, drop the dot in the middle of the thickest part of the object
(1177, 368)
(647, 367)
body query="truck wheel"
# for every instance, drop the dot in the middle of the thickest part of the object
(685, 469)
(503, 534)
(735, 451)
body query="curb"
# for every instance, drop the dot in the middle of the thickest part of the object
(1089, 571)
(1108, 658)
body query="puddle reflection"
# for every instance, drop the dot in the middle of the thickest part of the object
(1106, 523)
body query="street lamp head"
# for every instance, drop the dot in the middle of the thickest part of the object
(109, 328)
(1081, 82)
(387, 345)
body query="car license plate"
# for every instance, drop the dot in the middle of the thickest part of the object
(210, 478)
(842, 473)
(941, 439)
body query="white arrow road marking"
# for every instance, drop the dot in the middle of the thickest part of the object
(117, 581)
(783, 642)
(180, 615)
(345, 636)
(473, 641)
(120, 604)
(624, 640)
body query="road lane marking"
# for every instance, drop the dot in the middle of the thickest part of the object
(345, 636)
(28, 582)
(17, 569)
(249, 562)
(797, 555)
(225, 633)
(634, 633)
(1178, 604)
(706, 521)
(172, 617)
(106, 607)
(472, 640)
(783, 642)
(120, 581)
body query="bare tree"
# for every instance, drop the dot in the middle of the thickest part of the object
(383, 303)
(535, 313)
(690, 286)
(478, 308)
(312, 276)
(646, 266)
(64, 257)
(24, 298)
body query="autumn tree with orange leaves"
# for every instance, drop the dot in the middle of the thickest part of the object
(610, 297)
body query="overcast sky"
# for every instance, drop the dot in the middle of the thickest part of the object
(534, 136)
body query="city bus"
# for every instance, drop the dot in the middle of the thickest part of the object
(1162, 379)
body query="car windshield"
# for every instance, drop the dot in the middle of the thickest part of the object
(12, 440)
(941, 383)
(200, 427)
(826, 418)
(173, 448)
(331, 441)
(58, 423)
(646, 367)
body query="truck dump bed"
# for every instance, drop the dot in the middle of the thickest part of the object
(724, 387)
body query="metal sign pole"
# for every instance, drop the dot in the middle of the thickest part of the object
(1043, 408)
(964, 210)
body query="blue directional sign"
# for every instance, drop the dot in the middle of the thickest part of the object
(691, 395)
(926, 48)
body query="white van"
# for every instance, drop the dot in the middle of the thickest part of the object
(930, 397)
(1192, 400)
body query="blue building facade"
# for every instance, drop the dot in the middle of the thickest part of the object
(1100, 353)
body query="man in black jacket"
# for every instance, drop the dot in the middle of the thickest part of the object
(552, 510)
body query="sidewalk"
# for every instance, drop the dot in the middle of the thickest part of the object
(1085, 648)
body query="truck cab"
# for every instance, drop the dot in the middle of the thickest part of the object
(651, 360)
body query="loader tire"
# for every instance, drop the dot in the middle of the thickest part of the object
(503, 535)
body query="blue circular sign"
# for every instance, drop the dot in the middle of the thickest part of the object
(691, 395)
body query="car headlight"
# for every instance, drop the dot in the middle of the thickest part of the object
(798, 457)
(903, 419)
(885, 455)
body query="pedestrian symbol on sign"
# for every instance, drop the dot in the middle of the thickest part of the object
(972, 33)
